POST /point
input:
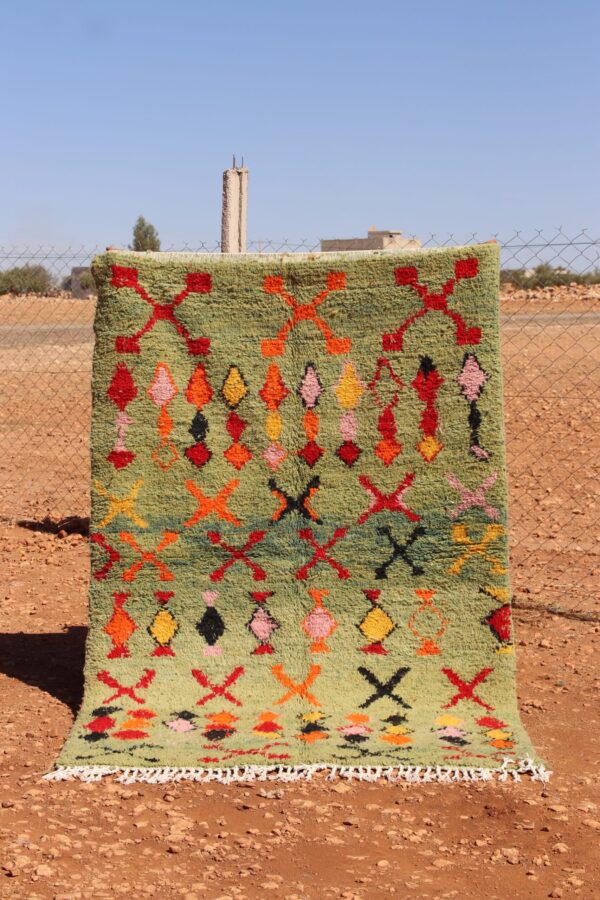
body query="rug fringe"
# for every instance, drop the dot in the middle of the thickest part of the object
(509, 770)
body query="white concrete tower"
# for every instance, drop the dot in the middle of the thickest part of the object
(235, 209)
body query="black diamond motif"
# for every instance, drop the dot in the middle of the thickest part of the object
(211, 626)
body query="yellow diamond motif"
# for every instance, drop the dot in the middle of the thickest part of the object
(349, 388)
(429, 448)
(398, 729)
(273, 426)
(234, 387)
(376, 625)
(163, 628)
(447, 720)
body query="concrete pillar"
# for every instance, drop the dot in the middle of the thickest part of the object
(235, 209)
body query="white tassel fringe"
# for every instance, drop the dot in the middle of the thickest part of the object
(509, 770)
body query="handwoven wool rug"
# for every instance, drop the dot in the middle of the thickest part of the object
(299, 528)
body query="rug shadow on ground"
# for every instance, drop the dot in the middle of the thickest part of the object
(62, 527)
(52, 662)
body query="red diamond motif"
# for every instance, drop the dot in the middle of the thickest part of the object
(199, 454)
(348, 452)
(311, 453)
(235, 426)
(120, 458)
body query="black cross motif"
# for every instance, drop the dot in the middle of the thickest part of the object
(288, 504)
(399, 550)
(384, 689)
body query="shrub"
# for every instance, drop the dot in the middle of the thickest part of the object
(87, 281)
(26, 280)
(545, 275)
(145, 236)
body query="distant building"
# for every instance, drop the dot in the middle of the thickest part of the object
(375, 240)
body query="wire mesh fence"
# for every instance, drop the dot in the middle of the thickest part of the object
(550, 326)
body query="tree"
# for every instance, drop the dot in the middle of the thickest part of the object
(145, 236)
(26, 280)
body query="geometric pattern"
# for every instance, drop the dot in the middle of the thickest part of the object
(299, 527)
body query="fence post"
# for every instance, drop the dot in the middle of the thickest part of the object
(235, 209)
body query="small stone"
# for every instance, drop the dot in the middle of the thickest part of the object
(43, 871)
(11, 870)
(382, 864)
(560, 848)
(271, 795)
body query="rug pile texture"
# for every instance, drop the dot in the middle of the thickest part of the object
(299, 524)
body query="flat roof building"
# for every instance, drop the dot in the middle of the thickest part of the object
(375, 240)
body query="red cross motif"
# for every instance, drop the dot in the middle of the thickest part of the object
(195, 283)
(408, 276)
(320, 554)
(122, 690)
(113, 555)
(149, 557)
(391, 502)
(466, 688)
(218, 690)
(304, 312)
(238, 554)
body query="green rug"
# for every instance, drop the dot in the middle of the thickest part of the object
(299, 526)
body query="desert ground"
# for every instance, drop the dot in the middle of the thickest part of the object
(318, 839)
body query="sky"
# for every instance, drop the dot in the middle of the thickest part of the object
(425, 117)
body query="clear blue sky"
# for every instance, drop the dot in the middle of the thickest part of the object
(422, 116)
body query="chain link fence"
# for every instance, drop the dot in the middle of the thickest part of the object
(550, 312)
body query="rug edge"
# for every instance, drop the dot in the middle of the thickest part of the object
(510, 770)
(116, 254)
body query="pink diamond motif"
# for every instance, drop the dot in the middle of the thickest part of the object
(274, 455)
(472, 378)
(318, 624)
(163, 388)
(262, 624)
(310, 387)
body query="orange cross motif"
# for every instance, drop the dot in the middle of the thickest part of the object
(297, 690)
(121, 505)
(460, 535)
(216, 505)
(165, 574)
(304, 312)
